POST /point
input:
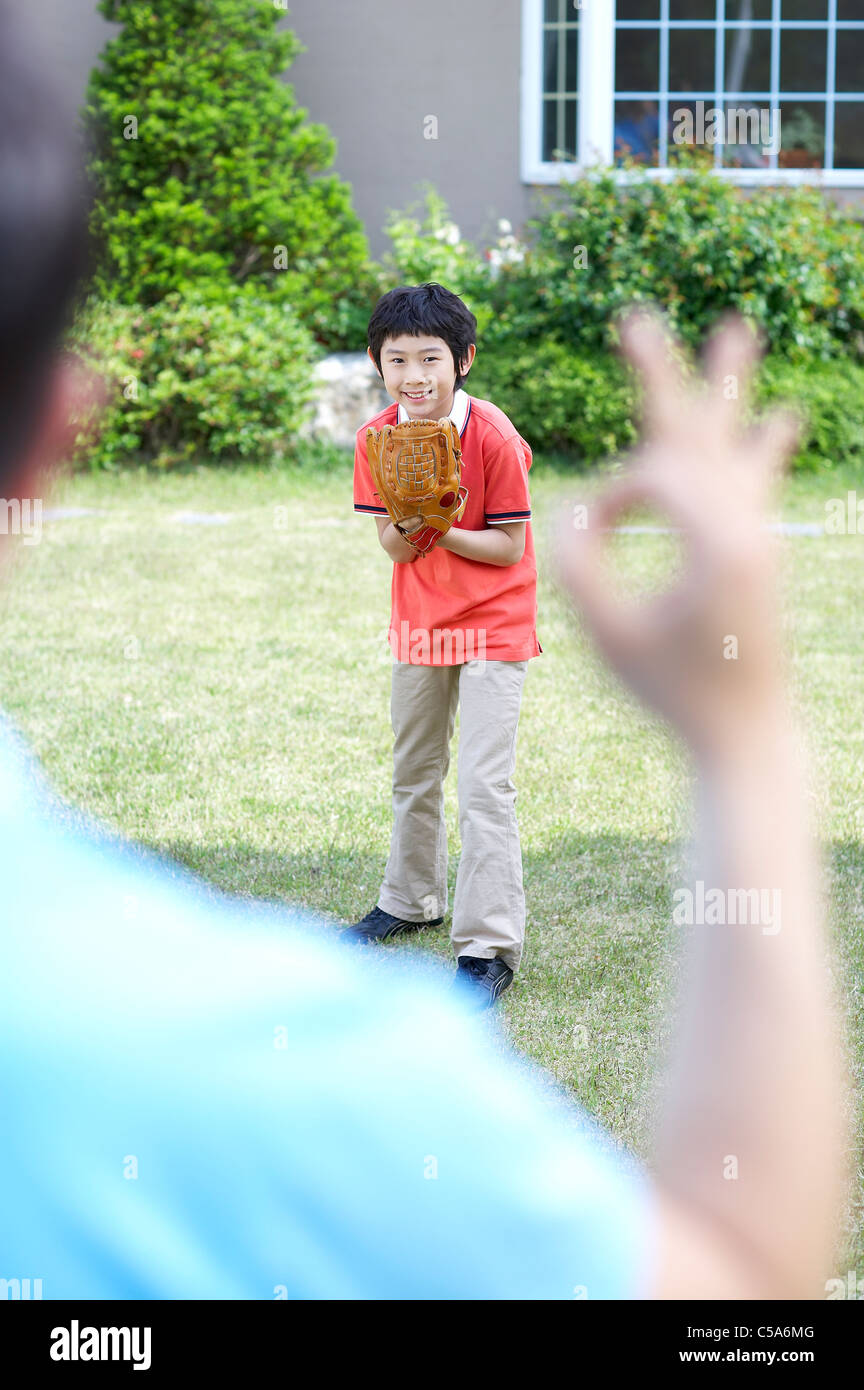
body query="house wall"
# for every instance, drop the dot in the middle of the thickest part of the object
(374, 70)
(73, 34)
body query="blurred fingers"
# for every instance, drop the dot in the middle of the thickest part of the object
(649, 346)
(729, 360)
(775, 439)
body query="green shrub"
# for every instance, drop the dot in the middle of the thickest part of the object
(186, 377)
(560, 401)
(697, 246)
(428, 245)
(585, 404)
(831, 396)
(204, 167)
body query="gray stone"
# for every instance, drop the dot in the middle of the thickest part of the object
(348, 392)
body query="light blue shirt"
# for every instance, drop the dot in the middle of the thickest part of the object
(203, 1097)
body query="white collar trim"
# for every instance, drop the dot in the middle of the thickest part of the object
(459, 413)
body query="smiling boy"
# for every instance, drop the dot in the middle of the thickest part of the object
(462, 630)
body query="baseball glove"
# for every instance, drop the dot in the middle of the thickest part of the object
(416, 468)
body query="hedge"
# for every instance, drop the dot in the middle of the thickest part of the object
(186, 378)
(584, 404)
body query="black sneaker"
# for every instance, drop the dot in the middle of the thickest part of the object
(378, 925)
(483, 980)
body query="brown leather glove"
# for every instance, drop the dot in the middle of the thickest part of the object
(416, 468)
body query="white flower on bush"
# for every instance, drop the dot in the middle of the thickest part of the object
(508, 250)
(449, 233)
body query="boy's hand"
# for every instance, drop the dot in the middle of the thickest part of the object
(705, 654)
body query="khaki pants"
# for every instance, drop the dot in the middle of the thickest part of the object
(489, 901)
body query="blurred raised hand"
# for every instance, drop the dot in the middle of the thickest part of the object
(712, 477)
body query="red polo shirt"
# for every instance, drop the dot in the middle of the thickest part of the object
(446, 609)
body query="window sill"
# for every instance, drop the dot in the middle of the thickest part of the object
(545, 174)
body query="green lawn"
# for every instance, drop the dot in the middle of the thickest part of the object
(221, 692)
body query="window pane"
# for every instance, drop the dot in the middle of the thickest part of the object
(748, 60)
(690, 133)
(750, 131)
(692, 9)
(560, 129)
(637, 129)
(803, 135)
(550, 132)
(691, 60)
(741, 9)
(849, 135)
(850, 60)
(803, 9)
(555, 9)
(571, 134)
(571, 72)
(803, 60)
(553, 41)
(550, 60)
(638, 9)
(849, 9)
(637, 60)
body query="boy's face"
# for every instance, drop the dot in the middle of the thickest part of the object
(420, 374)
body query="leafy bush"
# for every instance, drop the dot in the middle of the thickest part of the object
(428, 246)
(204, 167)
(186, 377)
(546, 304)
(697, 245)
(831, 396)
(585, 403)
(559, 400)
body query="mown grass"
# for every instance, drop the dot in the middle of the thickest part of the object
(221, 693)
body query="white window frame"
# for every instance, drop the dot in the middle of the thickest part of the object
(596, 96)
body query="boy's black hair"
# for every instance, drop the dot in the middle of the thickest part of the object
(423, 310)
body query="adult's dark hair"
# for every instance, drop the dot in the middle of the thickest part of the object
(423, 311)
(45, 258)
